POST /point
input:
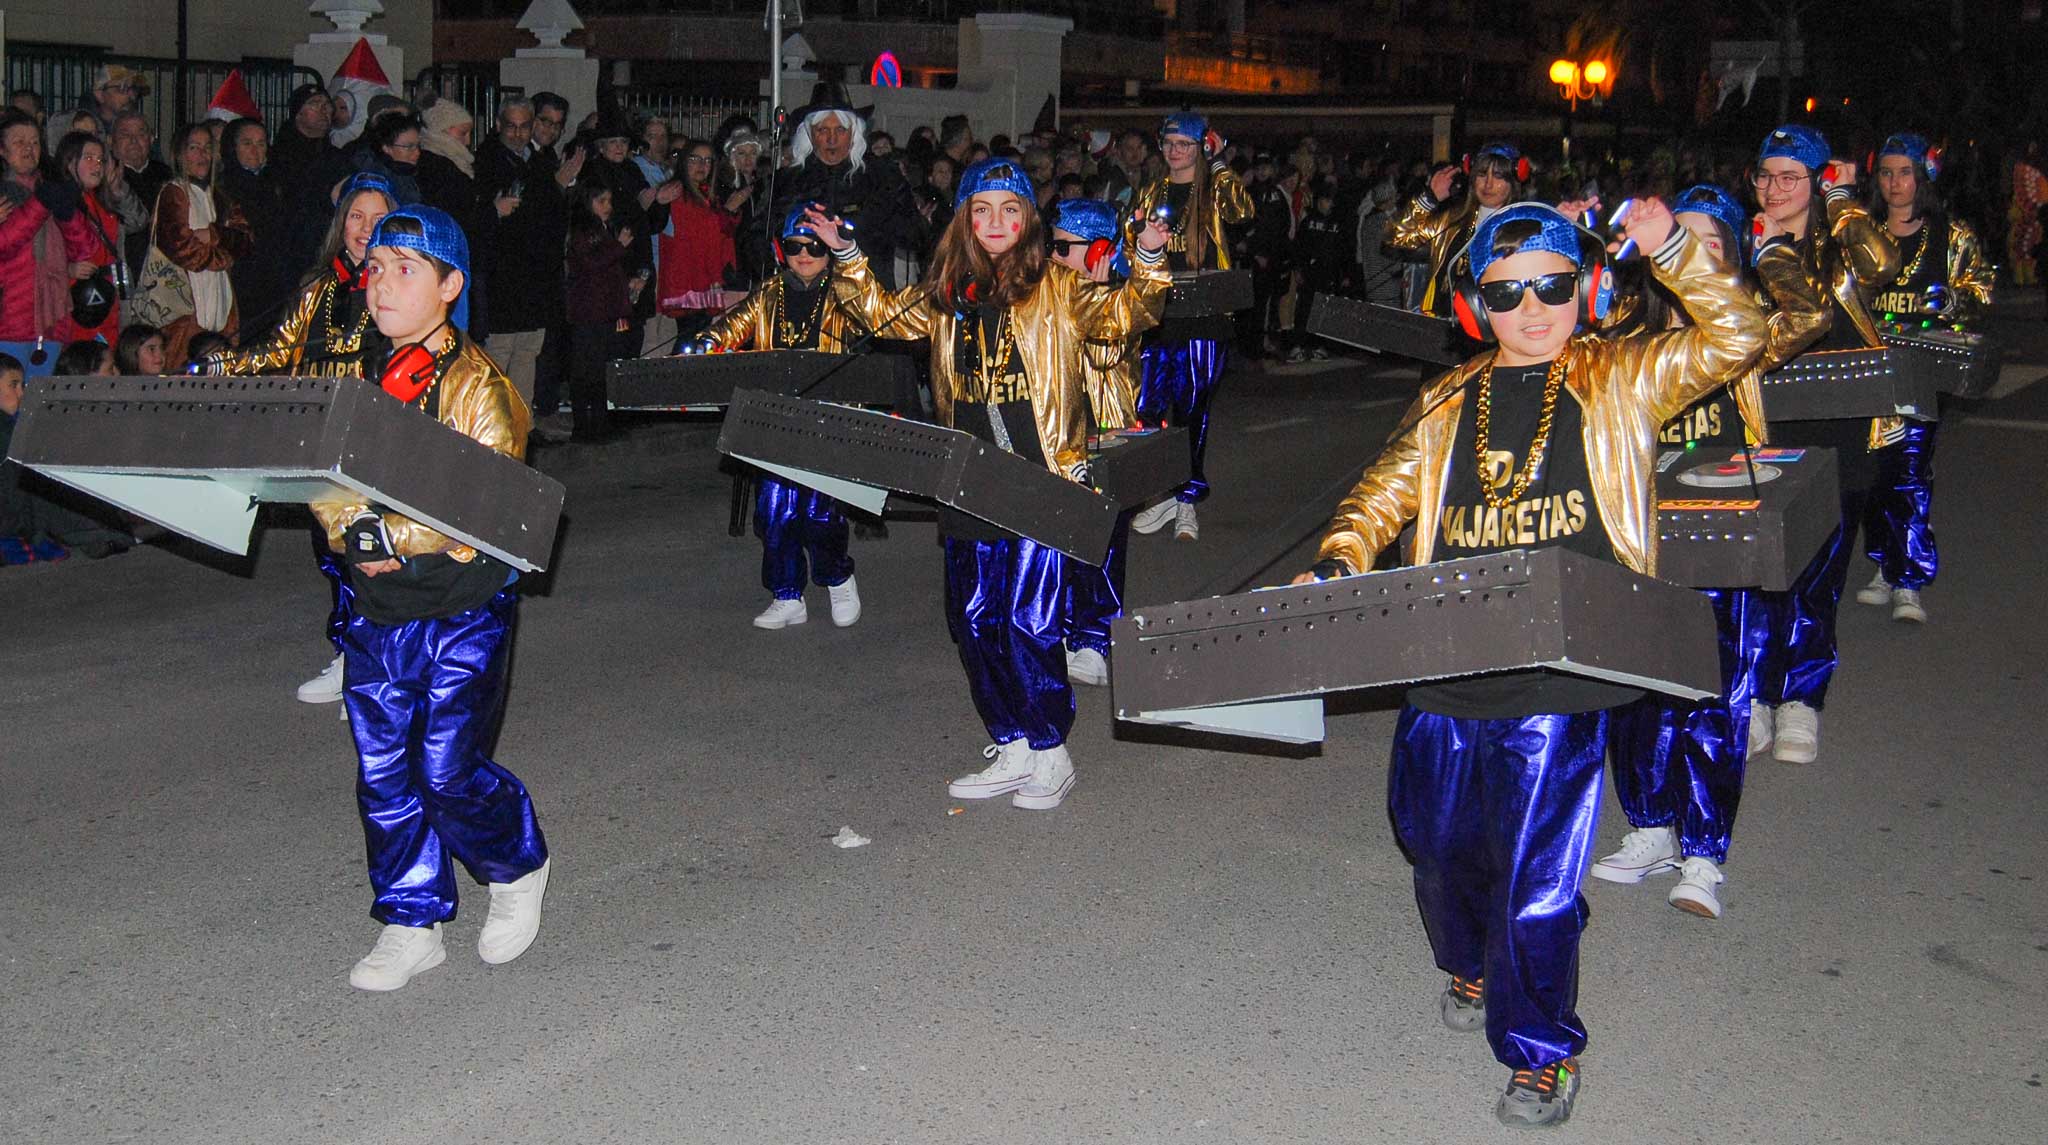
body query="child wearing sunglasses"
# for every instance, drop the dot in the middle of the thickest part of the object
(803, 307)
(1548, 440)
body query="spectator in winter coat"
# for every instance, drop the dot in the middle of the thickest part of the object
(203, 232)
(518, 244)
(39, 229)
(265, 280)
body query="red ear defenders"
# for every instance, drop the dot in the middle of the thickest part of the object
(1097, 251)
(1595, 292)
(409, 372)
(1522, 168)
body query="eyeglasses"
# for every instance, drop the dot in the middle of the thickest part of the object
(402, 146)
(1172, 144)
(696, 158)
(1060, 247)
(1783, 180)
(812, 247)
(1554, 289)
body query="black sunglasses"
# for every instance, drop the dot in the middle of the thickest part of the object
(1060, 247)
(1554, 289)
(813, 247)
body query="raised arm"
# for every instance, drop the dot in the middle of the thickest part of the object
(1672, 369)
(286, 346)
(1970, 277)
(1872, 254)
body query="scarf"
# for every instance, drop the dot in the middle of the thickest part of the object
(213, 297)
(438, 119)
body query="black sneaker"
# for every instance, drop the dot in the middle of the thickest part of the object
(1463, 1005)
(1539, 1097)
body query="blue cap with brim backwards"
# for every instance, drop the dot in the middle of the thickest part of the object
(793, 224)
(1557, 236)
(995, 174)
(1797, 142)
(1093, 220)
(1915, 148)
(1185, 123)
(1711, 201)
(1506, 154)
(365, 181)
(441, 237)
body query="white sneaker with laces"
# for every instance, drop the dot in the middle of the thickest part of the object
(1906, 606)
(1876, 592)
(514, 920)
(1010, 771)
(845, 603)
(324, 688)
(1052, 776)
(782, 614)
(400, 953)
(1760, 727)
(1644, 852)
(1694, 894)
(1798, 732)
(1086, 666)
(1153, 519)
(1185, 526)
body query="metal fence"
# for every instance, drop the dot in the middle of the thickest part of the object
(62, 75)
(689, 116)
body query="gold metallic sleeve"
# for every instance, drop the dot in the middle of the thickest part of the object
(286, 346)
(1233, 202)
(1970, 277)
(1415, 234)
(1675, 368)
(740, 328)
(1863, 241)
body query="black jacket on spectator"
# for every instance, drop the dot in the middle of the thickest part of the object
(308, 170)
(1322, 250)
(875, 199)
(520, 253)
(265, 281)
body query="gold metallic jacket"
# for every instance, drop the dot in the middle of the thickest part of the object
(1970, 279)
(1230, 203)
(1855, 260)
(1796, 315)
(284, 351)
(751, 326)
(1438, 234)
(1109, 372)
(1627, 388)
(477, 401)
(1063, 312)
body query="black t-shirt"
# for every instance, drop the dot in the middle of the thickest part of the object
(1923, 259)
(1018, 432)
(1713, 420)
(803, 310)
(1558, 510)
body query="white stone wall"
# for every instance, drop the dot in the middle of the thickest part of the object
(219, 29)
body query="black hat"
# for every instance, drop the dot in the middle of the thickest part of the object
(830, 95)
(610, 124)
(300, 95)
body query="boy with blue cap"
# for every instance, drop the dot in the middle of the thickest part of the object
(1494, 788)
(1944, 282)
(429, 648)
(801, 307)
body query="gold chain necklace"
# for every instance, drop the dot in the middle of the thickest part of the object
(789, 334)
(1006, 347)
(338, 342)
(1553, 384)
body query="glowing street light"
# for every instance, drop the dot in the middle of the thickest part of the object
(1592, 81)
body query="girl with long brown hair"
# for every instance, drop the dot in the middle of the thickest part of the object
(1006, 328)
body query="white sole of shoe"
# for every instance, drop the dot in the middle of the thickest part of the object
(1873, 596)
(985, 790)
(773, 625)
(1694, 905)
(1144, 524)
(333, 697)
(1913, 614)
(438, 958)
(849, 622)
(1631, 876)
(540, 895)
(1795, 752)
(1043, 802)
(1087, 679)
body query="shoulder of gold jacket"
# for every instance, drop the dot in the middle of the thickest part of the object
(1971, 279)
(287, 344)
(742, 327)
(1799, 313)
(1233, 201)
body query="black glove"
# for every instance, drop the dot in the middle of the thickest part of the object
(1329, 569)
(366, 541)
(59, 196)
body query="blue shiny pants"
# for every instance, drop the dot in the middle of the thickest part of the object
(1097, 594)
(1800, 654)
(424, 701)
(794, 521)
(336, 572)
(1176, 385)
(1680, 765)
(1498, 818)
(1898, 523)
(1006, 607)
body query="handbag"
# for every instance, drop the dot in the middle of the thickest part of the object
(163, 294)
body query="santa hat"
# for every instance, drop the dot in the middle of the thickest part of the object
(233, 100)
(358, 78)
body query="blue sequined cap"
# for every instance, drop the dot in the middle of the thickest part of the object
(1711, 201)
(995, 174)
(366, 181)
(1186, 123)
(1558, 236)
(441, 237)
(1094, 219)
(1799, 143)
(1915, 148)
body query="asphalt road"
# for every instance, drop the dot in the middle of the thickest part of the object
(1202, 945)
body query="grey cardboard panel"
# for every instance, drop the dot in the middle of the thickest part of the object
(1388, 330)
(709, 379)
(1965, 363)
(1203, 294)
(281, 439)
(1823, 384)
(1140, 470)
(1767, 547)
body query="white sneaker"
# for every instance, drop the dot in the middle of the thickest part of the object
(1645, 852)
(1906, 606)
(1087, 666)
(324, 688)
(1876, 592)
(1185, 527)
(1010, 771)
(514, 920)
(845, 603)
(782, 614)
(1052, 776)
(400, 953)
(1798, 733)
(1154, 519)
(1761, 732)
(1694, 894)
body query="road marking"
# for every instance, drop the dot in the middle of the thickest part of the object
(2009, 423)
(1283, 423)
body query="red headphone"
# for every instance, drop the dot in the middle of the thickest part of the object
(1522, 168)
(1097, 251)
(410, 370)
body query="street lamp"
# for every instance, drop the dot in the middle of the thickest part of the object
(1591, 81)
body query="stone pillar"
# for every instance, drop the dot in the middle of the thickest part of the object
(324, 51)
(553, 66)
(1014, 59)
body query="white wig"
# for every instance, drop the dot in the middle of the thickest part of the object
(800, 142)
